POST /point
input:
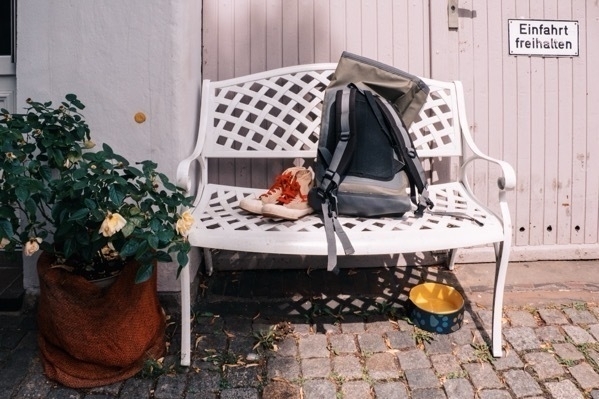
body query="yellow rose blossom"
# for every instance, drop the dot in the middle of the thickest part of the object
(113, 223)
(32, 246)
(184, 223)
(89, 144)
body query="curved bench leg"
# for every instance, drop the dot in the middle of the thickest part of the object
(503, 255)
(185, 316)
(451, 255)
(208, 261)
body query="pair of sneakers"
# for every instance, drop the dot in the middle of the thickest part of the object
(287, 198)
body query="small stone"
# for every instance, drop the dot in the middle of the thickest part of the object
(578, 335)
(413, 359)
(585, 376)
(316, 367)
(458, 388)
(281, 390)
(521, 318)
(553, 316)
(252, 357)
(563, 390)
(522, 338)
(567, 351)
(544, 364)
(318, 389)
(390, 390)
(580, 316)
(482, 376)
(356, 390)
(421, 379)
(522, 383)
(313, 346)
(551, 334)
(382, 366)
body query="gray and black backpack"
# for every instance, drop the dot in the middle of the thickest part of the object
(366, 163)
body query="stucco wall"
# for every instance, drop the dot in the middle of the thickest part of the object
(120, 58)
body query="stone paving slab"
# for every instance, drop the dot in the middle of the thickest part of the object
(370, 350)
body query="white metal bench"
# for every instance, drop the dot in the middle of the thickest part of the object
(276, 115)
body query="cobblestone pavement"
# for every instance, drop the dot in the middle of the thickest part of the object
(338, 337)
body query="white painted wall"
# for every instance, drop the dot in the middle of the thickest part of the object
(120, 58)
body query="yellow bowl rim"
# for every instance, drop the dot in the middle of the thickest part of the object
(444, 286)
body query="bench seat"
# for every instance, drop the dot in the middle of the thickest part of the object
(221, 224)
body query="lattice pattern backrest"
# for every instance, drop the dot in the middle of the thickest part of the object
(277, 116)
(436, 131)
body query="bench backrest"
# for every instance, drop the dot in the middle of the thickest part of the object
(276, 114)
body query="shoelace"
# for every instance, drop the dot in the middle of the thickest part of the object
(291, 192)
(281, 182)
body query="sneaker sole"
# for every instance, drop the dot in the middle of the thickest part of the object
(289, 214)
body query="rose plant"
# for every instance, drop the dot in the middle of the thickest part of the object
(88, 208)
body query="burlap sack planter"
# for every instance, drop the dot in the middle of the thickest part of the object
(90, 336)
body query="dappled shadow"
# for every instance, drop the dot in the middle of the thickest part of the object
(316, 296)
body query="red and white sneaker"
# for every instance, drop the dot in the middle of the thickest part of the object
(292, 204)
(254, 205)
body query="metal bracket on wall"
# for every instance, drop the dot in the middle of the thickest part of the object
(452, 14)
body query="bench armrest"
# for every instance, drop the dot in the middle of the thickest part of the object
(507, 180)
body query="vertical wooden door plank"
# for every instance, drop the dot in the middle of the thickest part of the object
(401, 35)
(537, 136)
(274, 34)
(258, 35)
(354, 26)
(564, 188)
(384, 27)
(495, 126)
(338, 28)
(481, 69)
(291, 38)
(210, 39)
(591, 230)
(322, 33)
(369, 29)
(523, 139)
(551, 136)
(579, 127)
(306, 31)
(419, 38)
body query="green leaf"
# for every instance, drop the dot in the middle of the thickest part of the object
(128, 229)
(69, 247)
(6, 229)
(79, 174)
(144, 273)
(90, 204)
(80, 214)
(162, 256)
(80, 185)
(108, 150)
(182, 258)
(153, 241)
(129, 249)
(22, 193)
(116, 194)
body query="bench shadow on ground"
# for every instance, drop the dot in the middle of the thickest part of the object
(300, 294)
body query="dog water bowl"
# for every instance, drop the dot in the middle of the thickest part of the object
(437, 308)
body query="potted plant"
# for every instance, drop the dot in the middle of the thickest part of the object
(93, 214)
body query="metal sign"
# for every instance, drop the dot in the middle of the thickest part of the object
(542, 37)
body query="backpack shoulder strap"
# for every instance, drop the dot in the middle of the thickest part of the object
(339, 162)
(405, 148)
